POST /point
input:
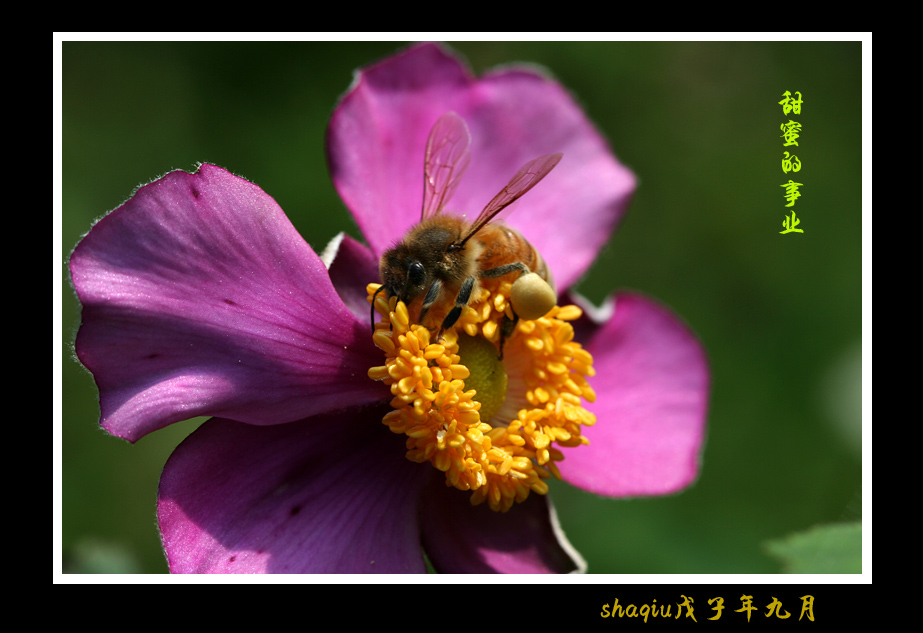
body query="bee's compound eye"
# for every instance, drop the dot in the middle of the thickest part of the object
(416, 274)
(532, 297)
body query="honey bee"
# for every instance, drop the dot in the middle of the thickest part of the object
(444, 257)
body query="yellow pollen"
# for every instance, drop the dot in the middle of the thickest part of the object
(494, 427)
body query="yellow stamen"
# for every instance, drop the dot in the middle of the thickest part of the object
(491, 426)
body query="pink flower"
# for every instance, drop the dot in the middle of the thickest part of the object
(201, 299)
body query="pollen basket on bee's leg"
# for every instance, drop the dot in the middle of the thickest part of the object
(494, 427)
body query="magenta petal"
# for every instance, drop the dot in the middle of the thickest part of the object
(332, 494)
(378, 133)
(200, 298)
(460, 538)
(651, 385)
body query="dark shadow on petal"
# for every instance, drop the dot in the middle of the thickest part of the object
(354, 268)
(331, 494)
(461, 538)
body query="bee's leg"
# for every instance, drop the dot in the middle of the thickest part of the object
(531, 295)
(499, 271)
(460, 302)
(506, 330)
(508, 324)
(431, 295)
(380, 288)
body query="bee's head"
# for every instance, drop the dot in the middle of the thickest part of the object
(402, 276)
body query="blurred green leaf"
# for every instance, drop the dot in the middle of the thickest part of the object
(95, 556)
(827, 549)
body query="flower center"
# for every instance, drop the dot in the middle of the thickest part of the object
(493, 427)
(487, 373)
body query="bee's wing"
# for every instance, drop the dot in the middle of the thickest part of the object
(445, 161)
(526, 178)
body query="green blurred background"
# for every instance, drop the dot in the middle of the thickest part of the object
(780, 315)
